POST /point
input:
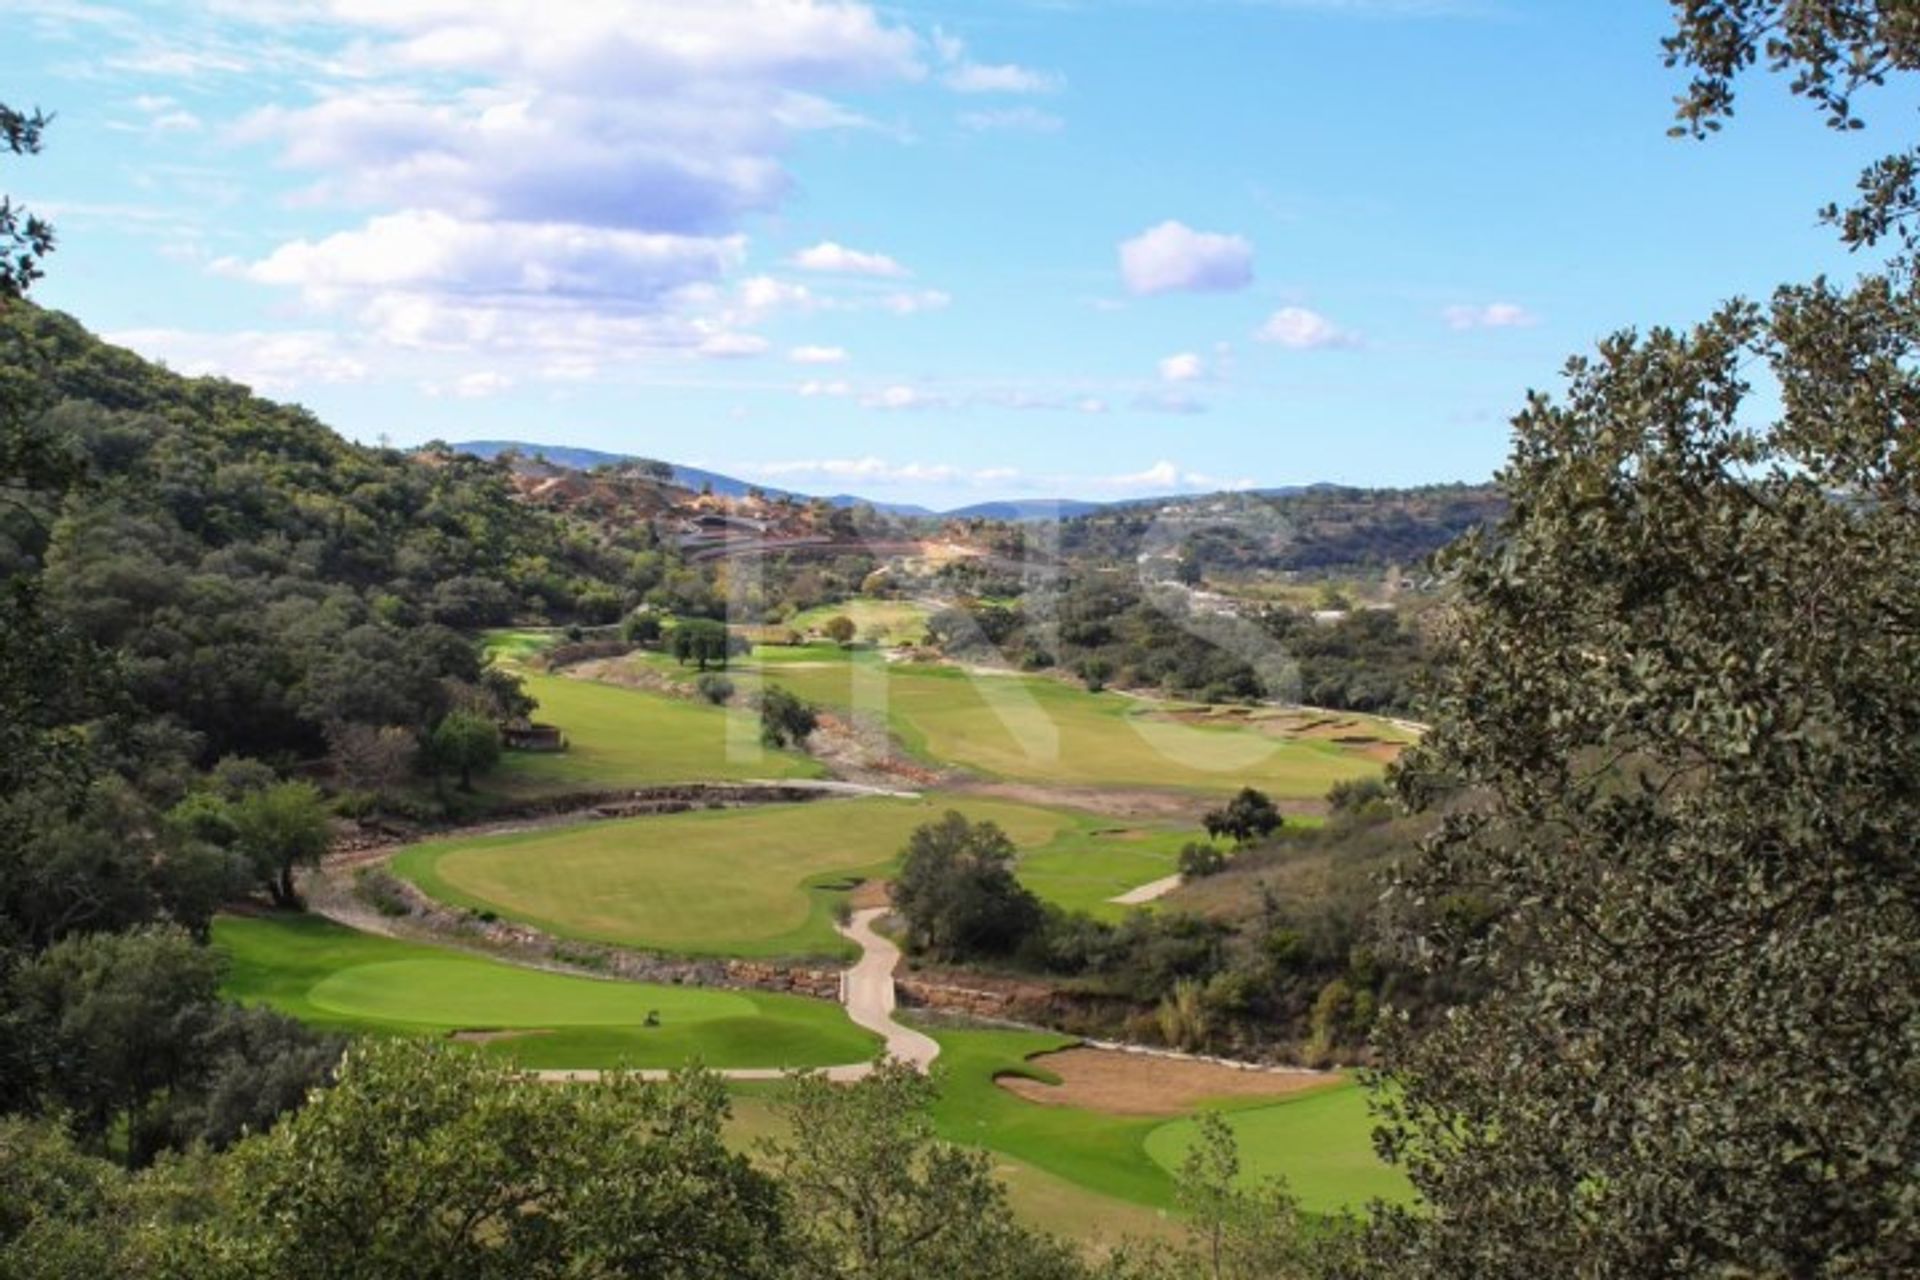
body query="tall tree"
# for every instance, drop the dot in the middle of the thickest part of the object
(1675, 754)
(24, 238)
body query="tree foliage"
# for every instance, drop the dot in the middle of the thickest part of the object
(1675, 756)
(786, 719)
(1249, 816)
(957, 891)
(24, 238)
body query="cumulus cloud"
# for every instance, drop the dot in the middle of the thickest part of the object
(876, 472)
(1494, 315)
(1005, 77)
(1184, 367)
(1301, 329)
(818, 355)
(733, 346)
(1173, 402)
(472, 386)
(837, 259)
(964, 75)
(434, 252)
(271, 362)
(566, 173)
(1166, 476)
(1173, 257)
(901, 397)
(1011, 120)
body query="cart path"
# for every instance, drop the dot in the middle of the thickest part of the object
(867, 993)
(1147, 892)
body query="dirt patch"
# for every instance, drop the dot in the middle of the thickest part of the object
(488, 1037)
(1139, 1084)
(871, 893)
(1117, 802)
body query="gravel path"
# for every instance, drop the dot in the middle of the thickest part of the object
(1148, 892)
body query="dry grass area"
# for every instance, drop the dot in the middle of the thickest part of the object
(1137, 1084)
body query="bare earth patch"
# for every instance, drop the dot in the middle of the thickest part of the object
(488, 1037)
(1139, 1084)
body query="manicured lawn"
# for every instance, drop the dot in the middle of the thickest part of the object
(620, 737)
(334, 977)
(758, 881)
(1317, 1141)
(1320, 1141)
(1040, 730)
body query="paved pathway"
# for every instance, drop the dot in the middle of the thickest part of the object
(866, 990)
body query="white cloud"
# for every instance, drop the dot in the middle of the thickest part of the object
(1494, 315)
(878, 472)
(1165, 476)
(840, 260)
(1174, 402)
(964, 75)
(568, 176)
(1173, 257)
(472, 386)
(813, 388)
(908, 304)
(733, 346)
(1011, 120)
(268, 362)
(435, 252)
(902, 397)
(1184, 367)
(1300, 329)
(1006, 77)
(818, 355)
(162, 115)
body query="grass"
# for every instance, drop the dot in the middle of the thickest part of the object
(759, 881)
(1038, 1198)
(619, 737)
(1316, 1141)
(334, 977)
(1321, 1141)
(903, 620)
(1042, 730)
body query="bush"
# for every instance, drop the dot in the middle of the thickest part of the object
(786, 719)
(1199, 860)
(715, 688)
(381, 890)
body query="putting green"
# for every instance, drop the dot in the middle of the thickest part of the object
(333, 977)
(1036, 729)
(903, 620)
(446, 993)
(1319, 1142)
(757, 881)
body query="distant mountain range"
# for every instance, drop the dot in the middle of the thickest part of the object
(730, 487)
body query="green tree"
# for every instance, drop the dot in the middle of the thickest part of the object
(1248, 817)
(839, 629)
(715, 688)
(429, 1161)
(958, 894)
(875, 1195)
(1673, 763)
(465, 744)
(280, 827)
(786, 719)
(705, 643)
(1238, 1232)
(24, 238)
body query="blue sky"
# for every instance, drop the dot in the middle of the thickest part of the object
(926, 252)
